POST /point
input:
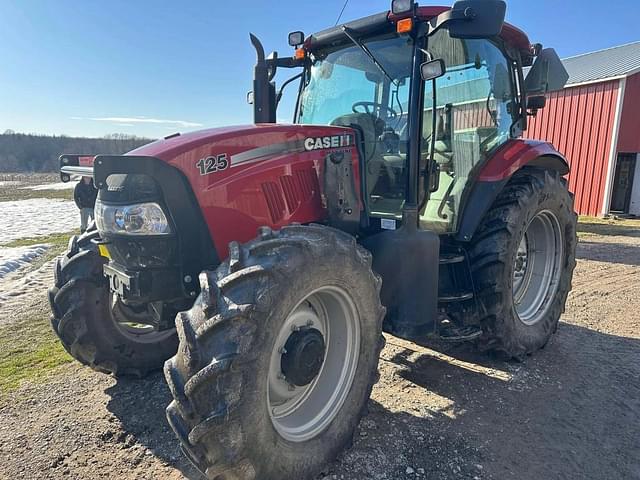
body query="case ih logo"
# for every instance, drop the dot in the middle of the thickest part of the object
(335, 141)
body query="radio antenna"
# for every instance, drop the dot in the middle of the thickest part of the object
(341, 12)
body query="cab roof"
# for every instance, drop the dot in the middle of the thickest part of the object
(373, 23)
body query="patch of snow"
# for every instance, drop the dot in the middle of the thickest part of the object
(37, 217)
(9, 183)
(13, 259)
(51, 186)
(18, 287)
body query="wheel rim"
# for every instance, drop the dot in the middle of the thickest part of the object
(300, 412)
(124, 317)
(537, 267)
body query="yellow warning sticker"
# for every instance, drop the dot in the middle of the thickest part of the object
(103, 251)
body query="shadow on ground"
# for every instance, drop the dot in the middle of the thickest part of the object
(622, 253)
(570, 411)
(632, 230)
(140, 406)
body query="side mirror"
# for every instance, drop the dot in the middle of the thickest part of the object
(433, 69)
(536, 103)
(547, 74)
(296, 38)
(476, 18)
(250, 97)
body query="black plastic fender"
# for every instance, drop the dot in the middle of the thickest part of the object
(484, 193)
(408, 261)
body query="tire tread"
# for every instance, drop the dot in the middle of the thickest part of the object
(205, 400)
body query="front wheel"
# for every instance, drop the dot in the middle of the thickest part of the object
(522, 259)
(94, 326)
(278, 356)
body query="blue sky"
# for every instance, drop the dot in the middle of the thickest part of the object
(150, 68)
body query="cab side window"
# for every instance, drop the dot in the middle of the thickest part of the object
(475, 111)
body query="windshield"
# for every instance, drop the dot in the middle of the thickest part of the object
(345, 87)
(338, 80)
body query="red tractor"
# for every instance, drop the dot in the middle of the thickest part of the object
(272, 257)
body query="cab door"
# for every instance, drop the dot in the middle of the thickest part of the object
(475, 110)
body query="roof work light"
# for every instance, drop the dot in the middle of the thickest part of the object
(398, 7)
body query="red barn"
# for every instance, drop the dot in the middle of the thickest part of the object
(595, 123)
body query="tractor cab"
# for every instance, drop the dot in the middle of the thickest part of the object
(368, 75)
(476, 112)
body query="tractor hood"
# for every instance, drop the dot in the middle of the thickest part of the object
(245, 177)
(245, 144)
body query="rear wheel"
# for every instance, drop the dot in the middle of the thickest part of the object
(94, 326)
(278, 356)
(522, 258)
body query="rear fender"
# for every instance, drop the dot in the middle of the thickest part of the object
(516, 154)
(497, 172)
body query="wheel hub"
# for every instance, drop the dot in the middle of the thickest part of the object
(302, 356)
(313, 363)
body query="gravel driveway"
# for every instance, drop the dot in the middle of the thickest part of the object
(445, 412)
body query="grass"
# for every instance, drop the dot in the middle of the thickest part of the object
(18, 193)
(29, 351)
(57, 240)
(588, 226)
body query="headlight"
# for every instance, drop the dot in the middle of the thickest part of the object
(137, 219)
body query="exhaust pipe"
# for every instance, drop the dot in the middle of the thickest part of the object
(264, 90)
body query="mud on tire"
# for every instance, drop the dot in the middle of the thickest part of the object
(530, 195)
(84, 317)
(220, 376)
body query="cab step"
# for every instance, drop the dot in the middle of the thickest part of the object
(454, 333)
(458, 297)
(450, 258)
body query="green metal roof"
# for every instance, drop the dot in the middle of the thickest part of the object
(615, 62)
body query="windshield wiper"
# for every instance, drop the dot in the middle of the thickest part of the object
(281, 91)
(349, 33)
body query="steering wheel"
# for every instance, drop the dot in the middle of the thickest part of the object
(371, 107)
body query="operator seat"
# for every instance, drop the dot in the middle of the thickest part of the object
(443, 154)
(370, 128)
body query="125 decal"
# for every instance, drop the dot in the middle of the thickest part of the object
(213, 164)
